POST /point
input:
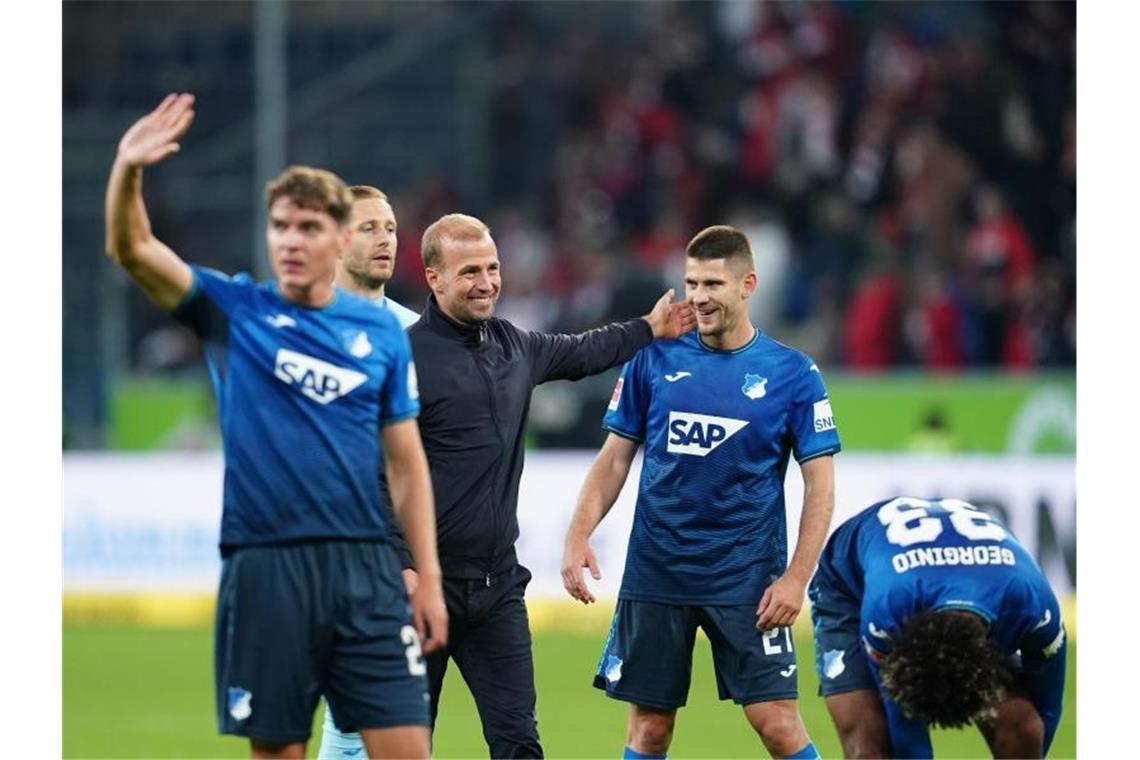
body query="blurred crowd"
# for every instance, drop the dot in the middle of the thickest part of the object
(906, 173)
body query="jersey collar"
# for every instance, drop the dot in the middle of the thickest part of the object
(745, 347)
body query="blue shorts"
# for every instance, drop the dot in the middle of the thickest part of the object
(840, 660)
(648, 656)
(298, 621)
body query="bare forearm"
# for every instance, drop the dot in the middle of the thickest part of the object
(409, 485)
(603, 484)
(128, 227)
(819, 502)
(164, 277)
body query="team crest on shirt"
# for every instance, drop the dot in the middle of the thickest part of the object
(358, 344)
(754, 386)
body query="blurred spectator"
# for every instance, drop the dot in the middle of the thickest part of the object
(1001, 261)
(872, 333)
(935, 326)
(944, 133)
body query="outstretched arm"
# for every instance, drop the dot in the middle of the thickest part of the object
(603, 484)
(409, 487)
(164, 277)
(781, 602)
(572, 357)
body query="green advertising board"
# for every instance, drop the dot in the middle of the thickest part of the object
(972, 413)
(888, 412)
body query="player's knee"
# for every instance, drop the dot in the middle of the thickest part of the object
(858, 745)
(650, 732)
(1022, 735)
(862, 738)
(780, 728)
(276, 750)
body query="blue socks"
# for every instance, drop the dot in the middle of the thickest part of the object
(807, 753)
(632, 754)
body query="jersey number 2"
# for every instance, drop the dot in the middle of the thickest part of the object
(412, 651)
(908, 521)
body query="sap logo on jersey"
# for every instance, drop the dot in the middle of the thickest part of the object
(320, 381)
(698, 434)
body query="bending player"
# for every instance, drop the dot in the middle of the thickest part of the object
(929, 612)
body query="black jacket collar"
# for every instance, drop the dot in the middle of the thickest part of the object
(435, 320)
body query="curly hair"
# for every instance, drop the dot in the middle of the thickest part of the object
(944, 669)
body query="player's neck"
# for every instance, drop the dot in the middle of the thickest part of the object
(350, 285)
(315, 296)
(738, 337)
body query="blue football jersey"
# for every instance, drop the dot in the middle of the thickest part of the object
(906, 555)
(718, 428)
(302, 394)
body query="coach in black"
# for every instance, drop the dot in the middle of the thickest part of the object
(476, 374)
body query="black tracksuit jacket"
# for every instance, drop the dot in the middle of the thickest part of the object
(475, 384)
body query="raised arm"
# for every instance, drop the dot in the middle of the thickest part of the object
(572, 357)
(603, 483)
(782, 601)
(409, 487)
(164, 277)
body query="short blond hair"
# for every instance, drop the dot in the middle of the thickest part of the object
(316, 189)
(452, 227)
(363, 192)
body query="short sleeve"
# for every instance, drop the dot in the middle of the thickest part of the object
(629, 406)
(212, 299)
(400, 394)
(812, 420)
(1046, 635)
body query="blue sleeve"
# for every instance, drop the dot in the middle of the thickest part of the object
(400, 394)
(629, 405)
(1042, 673)
(811, 420)
(909, 737)
(211, 300)
(1045, 688)
(226, 292)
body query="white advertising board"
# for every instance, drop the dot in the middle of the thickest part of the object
(137, 523)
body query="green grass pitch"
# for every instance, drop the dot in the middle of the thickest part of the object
(138, 692)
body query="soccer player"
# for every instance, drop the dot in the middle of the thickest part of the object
(477, 374)
(364, 269)
(719, 412)
(928, 611)
(369, 263)
(310, 381)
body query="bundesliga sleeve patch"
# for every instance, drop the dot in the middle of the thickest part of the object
(616, 398)
(823, 417)
(413, 382)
